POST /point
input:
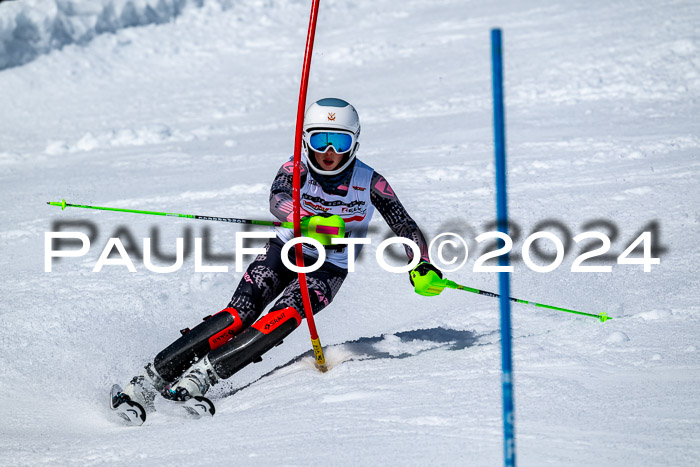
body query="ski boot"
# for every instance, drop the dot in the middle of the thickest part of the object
(133, 402)
(143, 388)
(130, 412)
(192, 386)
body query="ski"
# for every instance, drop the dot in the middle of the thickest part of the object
(195, 407)
(129, 412)
(199, 406)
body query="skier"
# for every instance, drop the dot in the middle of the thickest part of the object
(333, 182)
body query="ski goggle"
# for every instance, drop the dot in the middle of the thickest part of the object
(321, 141)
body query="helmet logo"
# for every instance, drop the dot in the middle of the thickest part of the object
(331, 116)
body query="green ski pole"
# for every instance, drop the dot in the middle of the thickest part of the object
(453, 285)
(63, 205)
(323, 229)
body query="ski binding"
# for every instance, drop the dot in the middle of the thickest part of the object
(194, 407)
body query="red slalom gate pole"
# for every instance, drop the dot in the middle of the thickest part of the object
(315, 341)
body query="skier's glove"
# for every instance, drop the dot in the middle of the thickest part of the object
(323, 228)
(427, 279)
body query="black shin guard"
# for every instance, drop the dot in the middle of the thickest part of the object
(214, 332)
(251, 344)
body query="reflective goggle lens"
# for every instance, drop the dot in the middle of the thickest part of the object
(322, 140)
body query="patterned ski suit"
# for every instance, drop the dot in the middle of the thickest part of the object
(235, 337)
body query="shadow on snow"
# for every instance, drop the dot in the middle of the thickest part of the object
(371, 348)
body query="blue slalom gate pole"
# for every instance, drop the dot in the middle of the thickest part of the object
(503, 277)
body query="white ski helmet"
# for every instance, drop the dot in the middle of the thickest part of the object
(332, 114)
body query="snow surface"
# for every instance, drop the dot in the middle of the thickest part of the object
(33, 27)
(195, 111)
